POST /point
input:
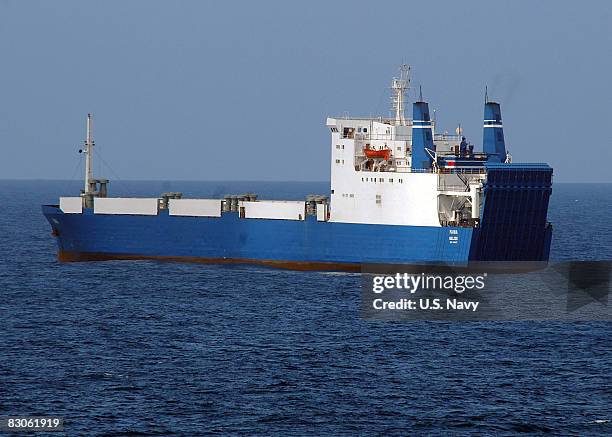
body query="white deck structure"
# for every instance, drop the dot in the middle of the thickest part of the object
(389, 191)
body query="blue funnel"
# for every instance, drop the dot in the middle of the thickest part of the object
(493, 143)
(422, 136)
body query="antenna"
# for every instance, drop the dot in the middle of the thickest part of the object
(486, 94)
(89, 155)
(433, 124)
(420, 94)
(399, 87)
(459, 130)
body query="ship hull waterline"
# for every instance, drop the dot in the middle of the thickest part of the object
(288, 244)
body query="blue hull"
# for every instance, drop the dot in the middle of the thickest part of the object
(233, 238)
(283, 243)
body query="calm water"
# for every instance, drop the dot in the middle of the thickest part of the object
(149, 348)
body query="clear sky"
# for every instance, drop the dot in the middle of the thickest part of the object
(230, 90)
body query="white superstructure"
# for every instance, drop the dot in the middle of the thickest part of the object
(372, 179)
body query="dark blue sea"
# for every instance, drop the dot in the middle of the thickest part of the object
(150, 348)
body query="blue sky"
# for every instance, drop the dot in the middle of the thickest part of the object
(240, 90)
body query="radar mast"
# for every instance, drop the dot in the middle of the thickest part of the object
(89, 144)
(399, 86)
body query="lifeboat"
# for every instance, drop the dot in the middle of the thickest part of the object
(371, 153)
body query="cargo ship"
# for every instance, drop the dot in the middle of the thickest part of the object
(401, 193)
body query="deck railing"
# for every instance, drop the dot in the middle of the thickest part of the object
(389, 137)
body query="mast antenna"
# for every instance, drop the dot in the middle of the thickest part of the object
(399, 86)
(89, 144)
(486, 94)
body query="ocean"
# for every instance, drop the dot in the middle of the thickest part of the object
(157, 348)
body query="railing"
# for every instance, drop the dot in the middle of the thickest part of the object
(452, 154)
(447, 137)
(395, 170)
(429, 170)
(457, 188)
(385, 120)
(389, 137)
(462, 171)
(374, 137)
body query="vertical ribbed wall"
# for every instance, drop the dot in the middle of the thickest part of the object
(514, 225)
